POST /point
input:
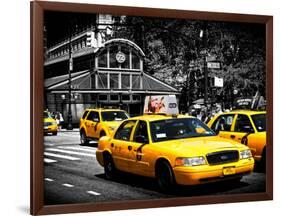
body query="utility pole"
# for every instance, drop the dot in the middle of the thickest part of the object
(203, 35)
(69, 116)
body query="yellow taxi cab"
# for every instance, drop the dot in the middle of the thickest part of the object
(50, 124)
(174, 149)
(245, 126)
(96, 123)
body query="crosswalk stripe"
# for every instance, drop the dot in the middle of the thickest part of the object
(47, 160)
(68, 185)
(70, 152)
(61, 156)
(49, 180)
(79, 148)
(93, 193)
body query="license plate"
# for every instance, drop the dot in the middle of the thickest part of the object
(228, 170)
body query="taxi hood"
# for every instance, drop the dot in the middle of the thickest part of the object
(199, 145)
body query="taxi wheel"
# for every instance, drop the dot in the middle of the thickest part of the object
(83, 138)
(165, 177)
(109, 168)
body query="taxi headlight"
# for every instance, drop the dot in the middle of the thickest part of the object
(191, 161)
(245, 154)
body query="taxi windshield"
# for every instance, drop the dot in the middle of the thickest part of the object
(259, 121)
(114, 116)
(178, 128)
(47, 115)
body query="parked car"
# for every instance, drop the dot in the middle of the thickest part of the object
(245, 126)
(96, 123)
(50, 124)
(173, 149)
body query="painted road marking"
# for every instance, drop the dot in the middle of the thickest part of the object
(61, 156)
(48, 179)
(93, 193)
(68, 185)
(47, 160)
(79, 148)
(70, 152)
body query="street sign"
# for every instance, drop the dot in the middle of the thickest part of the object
(210, 58)
(218, 82)
(214, 65)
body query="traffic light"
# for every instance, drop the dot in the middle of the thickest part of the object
(91, 40)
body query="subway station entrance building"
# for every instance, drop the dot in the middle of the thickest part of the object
(108, 77)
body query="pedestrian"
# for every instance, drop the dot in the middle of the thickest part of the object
(59, 120)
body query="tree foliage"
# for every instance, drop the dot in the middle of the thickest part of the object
(174, 48)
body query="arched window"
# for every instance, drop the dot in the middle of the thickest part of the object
(119, 56)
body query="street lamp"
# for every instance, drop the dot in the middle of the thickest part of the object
(69, 115)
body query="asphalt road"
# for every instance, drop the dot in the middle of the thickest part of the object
(72, 175)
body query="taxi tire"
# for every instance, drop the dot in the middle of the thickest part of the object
(165, 177)
(83, 139)
(109, 167)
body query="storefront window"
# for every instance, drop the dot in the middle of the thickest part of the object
(125, 81)
(125, 97)
(102, 97)
(114, 81)
(135, 61)
(135, 81)
(103, 59)
(114, 97)
(136, 98)
(102, 81)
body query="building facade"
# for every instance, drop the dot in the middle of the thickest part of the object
(111, 76)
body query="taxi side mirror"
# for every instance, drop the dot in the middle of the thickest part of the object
(141, 139)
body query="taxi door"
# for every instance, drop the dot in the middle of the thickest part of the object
(138, 151)
(91, 124)
(120, 144)
(223, 125)
(243, 129)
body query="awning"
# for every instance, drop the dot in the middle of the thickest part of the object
(81, 82)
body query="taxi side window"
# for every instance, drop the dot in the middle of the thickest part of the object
(124, 131)
(93, 116)
(243, 124)
(223, 123)
(141, 134)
